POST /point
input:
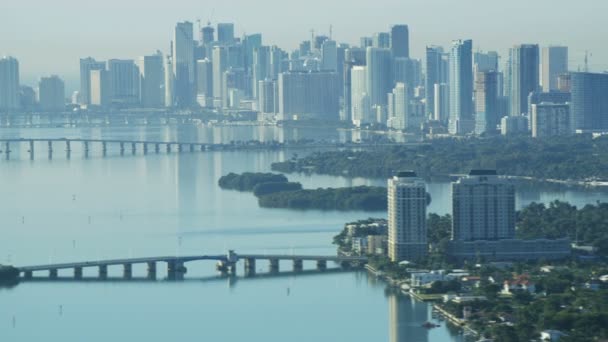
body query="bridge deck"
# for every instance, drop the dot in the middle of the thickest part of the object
(185, 259)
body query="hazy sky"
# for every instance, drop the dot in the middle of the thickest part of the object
(48, 37)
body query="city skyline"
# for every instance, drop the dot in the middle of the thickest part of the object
(122, 41)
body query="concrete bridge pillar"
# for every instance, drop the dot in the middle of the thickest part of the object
(151, 270)
(68, 146)
(53, 273)
(157, 148)
(32, 149)
(274, 265)
(191, 147)
(7, 149)
(180, 148)
(133, 148)
(168, 148)
(85, 147)
(104, 148)
(28, 274)
(145, 147)
(297, 265)
(78, 272)
(127, 271)
(249, 267)
(103, 271)
(176, 270)
(321, 265)
(203, 148)
(345, 264)
(226, 267)
(122, 148)
(50, 144)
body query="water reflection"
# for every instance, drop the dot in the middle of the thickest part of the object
(406, 317)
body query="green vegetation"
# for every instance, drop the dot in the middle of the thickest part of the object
(588, 225)
(9, 275)
(263, 189)
(248, 180)
(275, 191)
(567, 158)
(357, 198)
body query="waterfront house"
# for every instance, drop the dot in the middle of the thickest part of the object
(519, 283)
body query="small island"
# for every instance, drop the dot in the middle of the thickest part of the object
(275, 191)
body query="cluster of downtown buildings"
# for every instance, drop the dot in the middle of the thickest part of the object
(483, 223)
(454, 90)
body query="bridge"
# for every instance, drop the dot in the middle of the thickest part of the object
(146, 146)
(176, 264)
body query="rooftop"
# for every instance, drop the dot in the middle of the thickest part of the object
(480, 172)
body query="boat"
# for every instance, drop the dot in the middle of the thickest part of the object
(430, 325)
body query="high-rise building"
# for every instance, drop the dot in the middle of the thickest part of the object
(9, 84)
(379, 75)
(400, 108)
(436, 73)
(169, 80)
(261, 67)
(487, 115)
(207, 35)
(220, 65)
(125, 82)
(309, 95)
(400, 41)
(152, 81)
(100, 88)
(366, 42)
(408, 71)
(524, 76)
(407, 232)
(589, 107)
(441, 106)
(360, 101)
(381, 40)
(550, 119)
(204, 82)
(461, 119)
(554, 63)
(86, 65)
(183, 64)
(266, 100)
(485, 61)
(329, 56)
(225, 33)
(51, 94)
(483, 207)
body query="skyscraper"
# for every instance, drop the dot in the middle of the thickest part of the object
(589, 107)
(483, 207)
(329, 56)
(125, 82)
(266, 99)
(183, 64)
(152, 81)
(554, 63)
(524, 76)
(485, 61)
(204, 82)
(360, 102)
(9, 83)
(400, 41)
(225, 33)
(261, 67)
(207, 35)
(434, 75)
(487, 116)
(100, 88)
(51, 94)
(220, 65)
(461, 88)
(401, 119)
(407, 232)
(86, 65)
(549, 119)
(441, 106)
(169, 81)
(379, 75)
(381, 40)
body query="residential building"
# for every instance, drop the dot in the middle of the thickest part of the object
(379, 75)
(400, 41)
(86, 65)
(309, 95)
(125, 82)
(436, 73)
(487, 115)
(407, 231)
(549, 119)
(152, 80)
(183, 64)
(100, 88)
(360, 100)
(225, 33)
